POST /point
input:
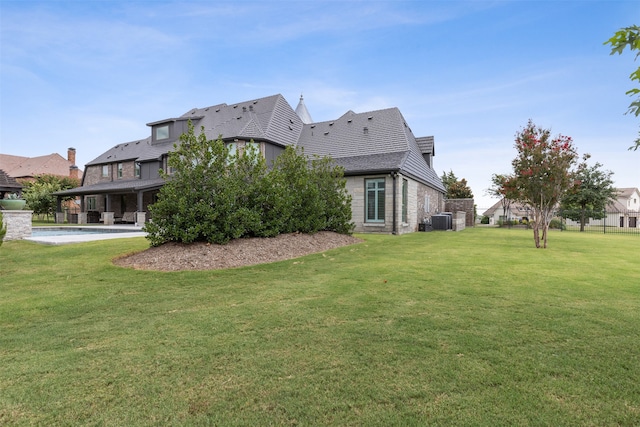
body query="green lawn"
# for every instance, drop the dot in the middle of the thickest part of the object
(476, 328)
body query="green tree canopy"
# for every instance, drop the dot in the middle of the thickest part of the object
(623, 38)
(592, 191)
(456, 188)
(214, 196)
(39, 192)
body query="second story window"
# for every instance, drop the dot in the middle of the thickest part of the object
(119, 170)
(162, 132)
(137, 169)
(105, 171)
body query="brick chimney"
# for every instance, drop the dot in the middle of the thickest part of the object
(71, 157)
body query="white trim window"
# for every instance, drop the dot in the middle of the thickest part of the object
(374, 200)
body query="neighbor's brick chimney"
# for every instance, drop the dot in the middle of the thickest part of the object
(71, 157)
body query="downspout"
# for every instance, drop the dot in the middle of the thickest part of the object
(394, 175)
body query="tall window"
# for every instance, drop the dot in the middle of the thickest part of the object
(105, 171)
(374, 200)
(405, 200)
(91, 203)
(137, 169)
(119, 170)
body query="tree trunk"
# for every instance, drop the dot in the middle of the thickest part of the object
(582, 218)
(536, 234)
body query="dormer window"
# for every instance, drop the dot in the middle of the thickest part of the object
(162, 132)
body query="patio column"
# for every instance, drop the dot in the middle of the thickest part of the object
(59, 214)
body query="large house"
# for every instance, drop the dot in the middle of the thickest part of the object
(389, 171)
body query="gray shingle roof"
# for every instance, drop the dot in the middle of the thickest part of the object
(380, 135)
(130, 185)
(375, 141)
(8, 183)
(270, 118)
(129, 151)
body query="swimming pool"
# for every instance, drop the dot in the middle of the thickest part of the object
(70, 234)
(70, 231)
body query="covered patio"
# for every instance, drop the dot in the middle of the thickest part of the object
(110, 202)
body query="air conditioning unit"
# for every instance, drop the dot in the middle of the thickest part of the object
(441, 222)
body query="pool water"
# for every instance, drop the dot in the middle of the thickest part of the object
(69, 231)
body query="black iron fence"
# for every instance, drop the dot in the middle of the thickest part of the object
(617, 222)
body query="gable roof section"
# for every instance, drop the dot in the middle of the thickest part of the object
(625, 193)
(271, 119)
(426, 145)
(370, 141)
(515, 208)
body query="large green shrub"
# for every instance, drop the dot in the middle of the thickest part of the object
(215, 197)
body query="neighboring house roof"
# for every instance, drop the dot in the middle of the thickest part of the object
(515, 209)
(623, 196)
(8, 183)
(625, 193)
(28, 167)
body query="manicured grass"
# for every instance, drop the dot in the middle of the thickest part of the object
(472, 328)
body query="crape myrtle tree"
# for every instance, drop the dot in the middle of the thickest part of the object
(623, 38)
(542, 174)
(592, 191)
(215, 197)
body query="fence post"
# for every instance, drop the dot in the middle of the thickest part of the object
(604, 222)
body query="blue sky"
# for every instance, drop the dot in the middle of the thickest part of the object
(91, 74)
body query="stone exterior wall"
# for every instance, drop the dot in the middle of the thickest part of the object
(458, 220)
(422, 202)
(466, 205)
(18, 224)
